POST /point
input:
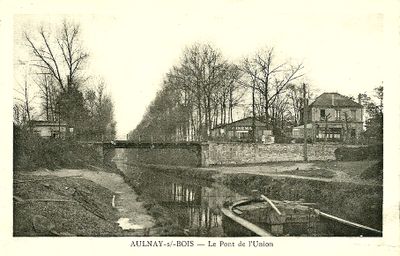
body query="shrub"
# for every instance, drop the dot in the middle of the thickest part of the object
(301, 140)
(359, 153)
(283, 139)
(32, 152)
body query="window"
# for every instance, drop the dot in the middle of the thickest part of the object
(353, 114)
(337, 114)
(353, 133)
(243, 134)
(322, 113)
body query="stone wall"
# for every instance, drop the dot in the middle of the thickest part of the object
(222, 153)
(182, 154)
(245, 153)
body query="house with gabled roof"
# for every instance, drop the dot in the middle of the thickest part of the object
(335, 117)
(241, 130)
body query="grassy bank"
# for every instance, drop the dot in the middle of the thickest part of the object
(31, 152)
(54, 206)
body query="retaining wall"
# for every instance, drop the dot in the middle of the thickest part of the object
(220, 153)
(182, 154)
(243, 153)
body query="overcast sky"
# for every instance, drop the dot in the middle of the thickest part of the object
(133, 46)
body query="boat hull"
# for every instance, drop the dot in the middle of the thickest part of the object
(237, 223)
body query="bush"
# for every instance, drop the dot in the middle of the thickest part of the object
(301, 140)
(283, 139)
(359, 153)
(32, 152)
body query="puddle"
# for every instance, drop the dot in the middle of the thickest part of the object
(125, 224)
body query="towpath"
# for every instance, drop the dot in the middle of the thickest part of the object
(331, 171)
(321, 171)
(133, 215)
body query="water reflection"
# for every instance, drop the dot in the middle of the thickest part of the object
(196, 212)
(194, 207)
(186, 194)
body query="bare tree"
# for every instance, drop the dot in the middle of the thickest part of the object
(295, 99)
(62, 56)
(48, 94)
(250, 81)
(228, 95)
(272, 79)
(202, 72)
(24, 101)
(197, 94)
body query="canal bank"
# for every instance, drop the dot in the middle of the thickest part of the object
(77, 202)
(167, 201)
(188, 201)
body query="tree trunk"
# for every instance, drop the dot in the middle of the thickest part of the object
(253, 105)
(305, 153)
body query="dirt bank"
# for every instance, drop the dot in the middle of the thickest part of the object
(76, 203)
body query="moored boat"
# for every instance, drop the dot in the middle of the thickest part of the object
(261, 216)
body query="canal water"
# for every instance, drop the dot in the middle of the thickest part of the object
(194, 206)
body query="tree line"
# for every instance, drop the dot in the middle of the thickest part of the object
(58, 69)
(204, 89)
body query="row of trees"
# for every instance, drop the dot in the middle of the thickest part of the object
(65, 91)
(204, 90)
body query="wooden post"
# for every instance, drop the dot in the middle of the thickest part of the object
(272, 204)
(305, 157)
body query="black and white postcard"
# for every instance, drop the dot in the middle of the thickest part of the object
(222, 127)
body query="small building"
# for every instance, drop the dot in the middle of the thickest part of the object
(334, 117)
(49, 129)
(241, 130)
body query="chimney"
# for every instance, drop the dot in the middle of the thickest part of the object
(333, 99)
(359, 98)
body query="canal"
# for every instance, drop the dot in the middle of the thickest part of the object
(189, 202)
(185, 206)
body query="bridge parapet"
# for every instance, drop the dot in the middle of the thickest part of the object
(180, 153)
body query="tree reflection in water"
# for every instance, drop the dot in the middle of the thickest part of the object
(195, 207)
